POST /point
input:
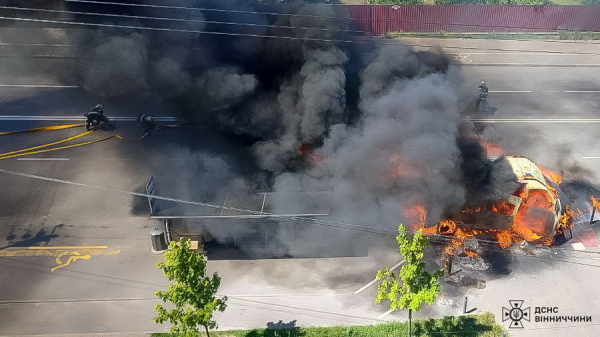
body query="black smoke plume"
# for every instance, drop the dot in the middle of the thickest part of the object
(384, 120)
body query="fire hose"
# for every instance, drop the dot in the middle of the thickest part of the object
(43, 128)
(35, 149)
(44, 148)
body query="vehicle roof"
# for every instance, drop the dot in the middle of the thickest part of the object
(527, 172)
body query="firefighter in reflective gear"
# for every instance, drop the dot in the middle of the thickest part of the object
(147, 123)
(482, 93)
(96, 116)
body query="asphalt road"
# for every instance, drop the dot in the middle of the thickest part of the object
(91, 269)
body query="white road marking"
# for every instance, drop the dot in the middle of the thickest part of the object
(526, 52)
(385, 313)
(536, 65)
(39, 86)
(545, 91)
(287, 295)
(375, 280)
(514, 91)
(535, 120)
(81, 119)
(42, 158)
(578, 246)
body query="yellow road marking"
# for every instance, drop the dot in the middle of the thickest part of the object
(73, 253)
(68, 247)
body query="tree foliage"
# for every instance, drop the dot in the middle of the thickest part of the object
(190, 291)
(415, 285)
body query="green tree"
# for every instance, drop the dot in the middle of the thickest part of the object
(190, 291)
(415, 285)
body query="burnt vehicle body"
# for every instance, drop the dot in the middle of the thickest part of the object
(531, 213)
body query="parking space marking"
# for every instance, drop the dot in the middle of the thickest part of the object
(64, 255)
(375, 280)
(39, 86)
(535, 120)
(385, 313)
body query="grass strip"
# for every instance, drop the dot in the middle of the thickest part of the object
(482, 325)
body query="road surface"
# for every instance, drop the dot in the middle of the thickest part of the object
(76, 258)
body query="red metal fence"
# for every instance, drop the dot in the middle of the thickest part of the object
(382, 19)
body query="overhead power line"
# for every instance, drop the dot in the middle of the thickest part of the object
(206, 9)
(328, 223)
(74, 23)
(102, 25)
(174, 19)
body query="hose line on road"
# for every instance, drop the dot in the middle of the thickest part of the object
(43, 128)
(34, 150)
(8, 155)
(30, 149)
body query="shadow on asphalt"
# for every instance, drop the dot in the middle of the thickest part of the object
(41, 238)
(278, 329)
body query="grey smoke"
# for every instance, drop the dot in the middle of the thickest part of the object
(409, 112)
(116, 67)
(311, 97)
(223, 86)
(401, 149)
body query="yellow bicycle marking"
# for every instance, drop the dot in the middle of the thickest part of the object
(72, 258)
(72, 253)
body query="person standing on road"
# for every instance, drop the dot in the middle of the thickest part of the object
(482, 93)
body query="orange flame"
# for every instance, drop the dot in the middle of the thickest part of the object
(566, 220)
(471, 253)
(454, 246)
(504, 239)
(447, 227)
(492, 149)
(400, 168)
(416, 216)
(595, 203)
(534, 215)
(553, 176)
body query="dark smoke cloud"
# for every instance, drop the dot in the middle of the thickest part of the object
(410, 118)
(485, 180)
(385, 120)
